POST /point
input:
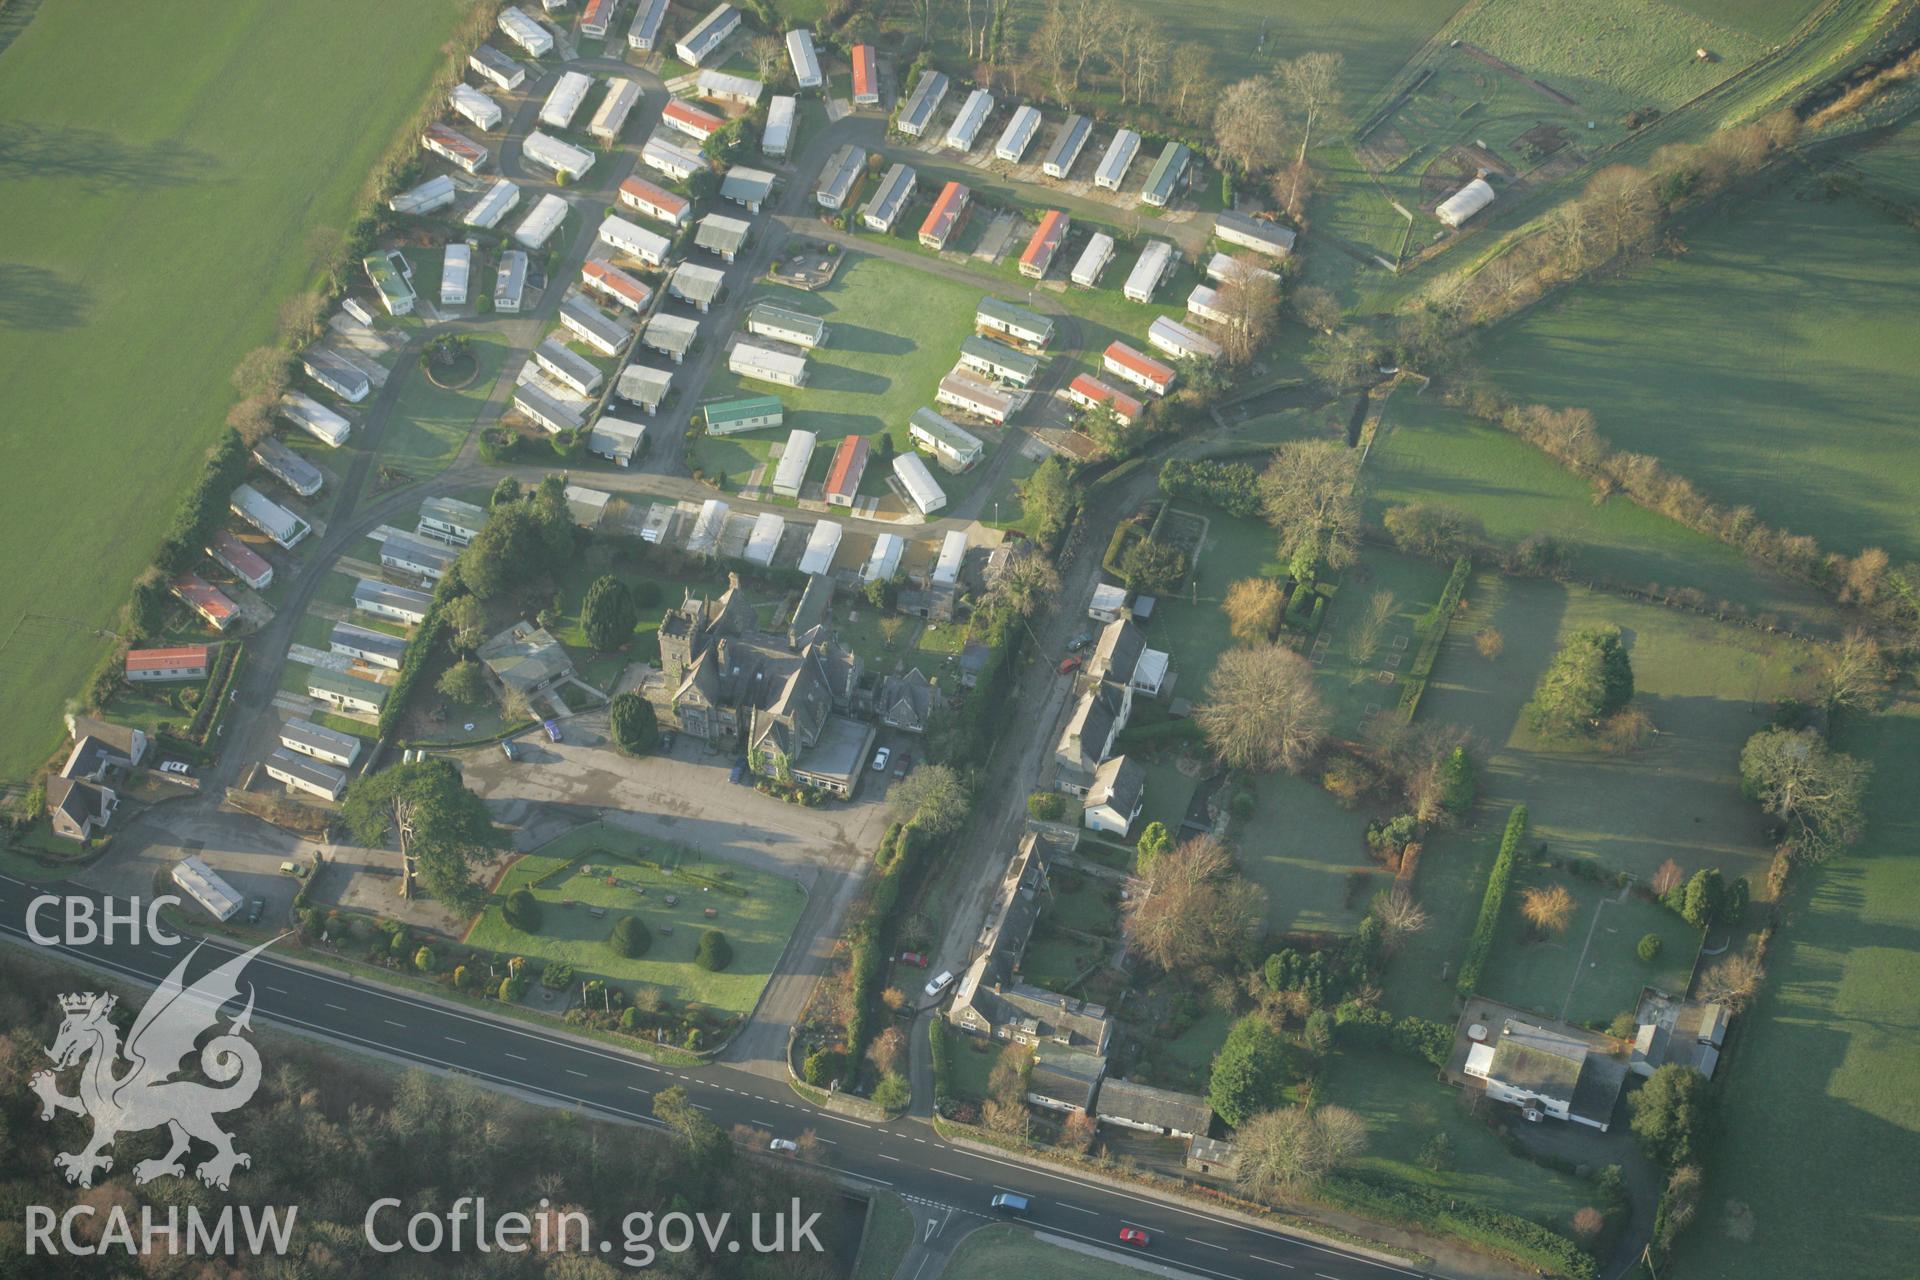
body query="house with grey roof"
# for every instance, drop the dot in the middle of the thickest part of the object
(1098, 717)
(526, 660)
(1065, 1079)
(1563, 1075)
(1147, 1109)
(905, 701)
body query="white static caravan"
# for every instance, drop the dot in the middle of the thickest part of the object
(337, 374)
(764, 364)
(454, 147)
(510, 282)
(567, 366)
(592, 325)
(791, 474)
(724, 86)
(1204, 303)
(1093, 260)
(497, 68)
(953, 555)
(565, 99)
(302, 774)
(922, 489)
(1180, 342)
(777, 138)
(972, 394)
(806, 63)
(704, 539)
(478, 109)
(1222, 269)
(623, 95)
(532, 399)
(965, 130)
(644, 34)
(1262, 235)
(952, 445)
(768, 529)
(314, 418)
(922, 104)
(496, 203)
(655, 201)
(1018, 135)
(611, 282)
(616, 439)
(1118, 159)
(525, 32)
(795, 328)
(597, 17)
(201, 883)
(429, 197)
(421, 557)
(1155, 264)
(1465, 203)
(456, 269)
(320, 742)
(566, 160)
(645, 386)
(663, 155)
(539, 225)
(451, 520)
(269, 517)
(1067, 146)
(822, 544)
(885, 561)
(896, 188)
(635, 240)
(699, 44)
(839, 176)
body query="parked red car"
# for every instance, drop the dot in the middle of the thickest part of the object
(913, 958)
(1070, 664)
(1134, 1236)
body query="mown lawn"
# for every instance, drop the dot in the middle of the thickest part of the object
(1427, 452)
(756, 925)
(997, 1251)
(162, 180)
(1801, 412)
(430, 424)
(1350, 677)
(1828, 1062)
(1310, 855)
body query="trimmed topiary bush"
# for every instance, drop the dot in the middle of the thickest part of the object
(522, 911)
(630, 937)
(1649, 948)
(715, 952)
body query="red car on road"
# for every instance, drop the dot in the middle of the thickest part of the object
(1134, 1236)
(1070, 664)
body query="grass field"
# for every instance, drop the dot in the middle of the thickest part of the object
(1431, 453)
(1890, 165)
(882, 361)
(1707, 687)
(995, 1252)
(161, 182)
(429, 424)
(1801, 411)
(1310, 855)
(889, 1235)
(1405, 1107)
(1828, 1061)
(757, 925)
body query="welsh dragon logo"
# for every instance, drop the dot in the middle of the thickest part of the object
(144, 1095)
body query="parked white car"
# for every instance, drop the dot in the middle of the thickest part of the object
(940, 984)
(174, 766)
(880, 759)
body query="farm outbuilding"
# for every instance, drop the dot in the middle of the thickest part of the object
(699, 44)
(496, 67)
(655, 201)
(1093, 260)
(795, 458)
(644, 33)
(965, 129)
(849, 464)
(1067, 146)
(545, 218)
(635, 240)
(922, 103)
(1018, 135)
(1045, 244)
(1465, 203)
(314, 418)
(922, 489)
(866, 77)
(1155, 264)
(495, 203)
(1117, 160)
(895, 189)
(806, 63)
(776, 139)
(623, 95)
(563, 158)
(482, 112)
(764, 364)
(796, 328)
(525, 32)
(837, 178)
(430, 196)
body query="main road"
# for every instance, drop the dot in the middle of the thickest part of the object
(951, 1186)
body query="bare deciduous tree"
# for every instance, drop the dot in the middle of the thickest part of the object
(1249, 302)
(767, 53)
(1192, 907)
(1490, 643)
(263, 371)
(1853, 672)
(1363, 642)
(1341, 358)
(1733, 982)
(1310, 85)
(1668, 877)
(1307, 495)
(1317, 308)
(1253, 607)
(1549, 909)
(1189, 76)
(1399, 915)
(1262, 709)
(1249, 125)
(1290, 1148)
